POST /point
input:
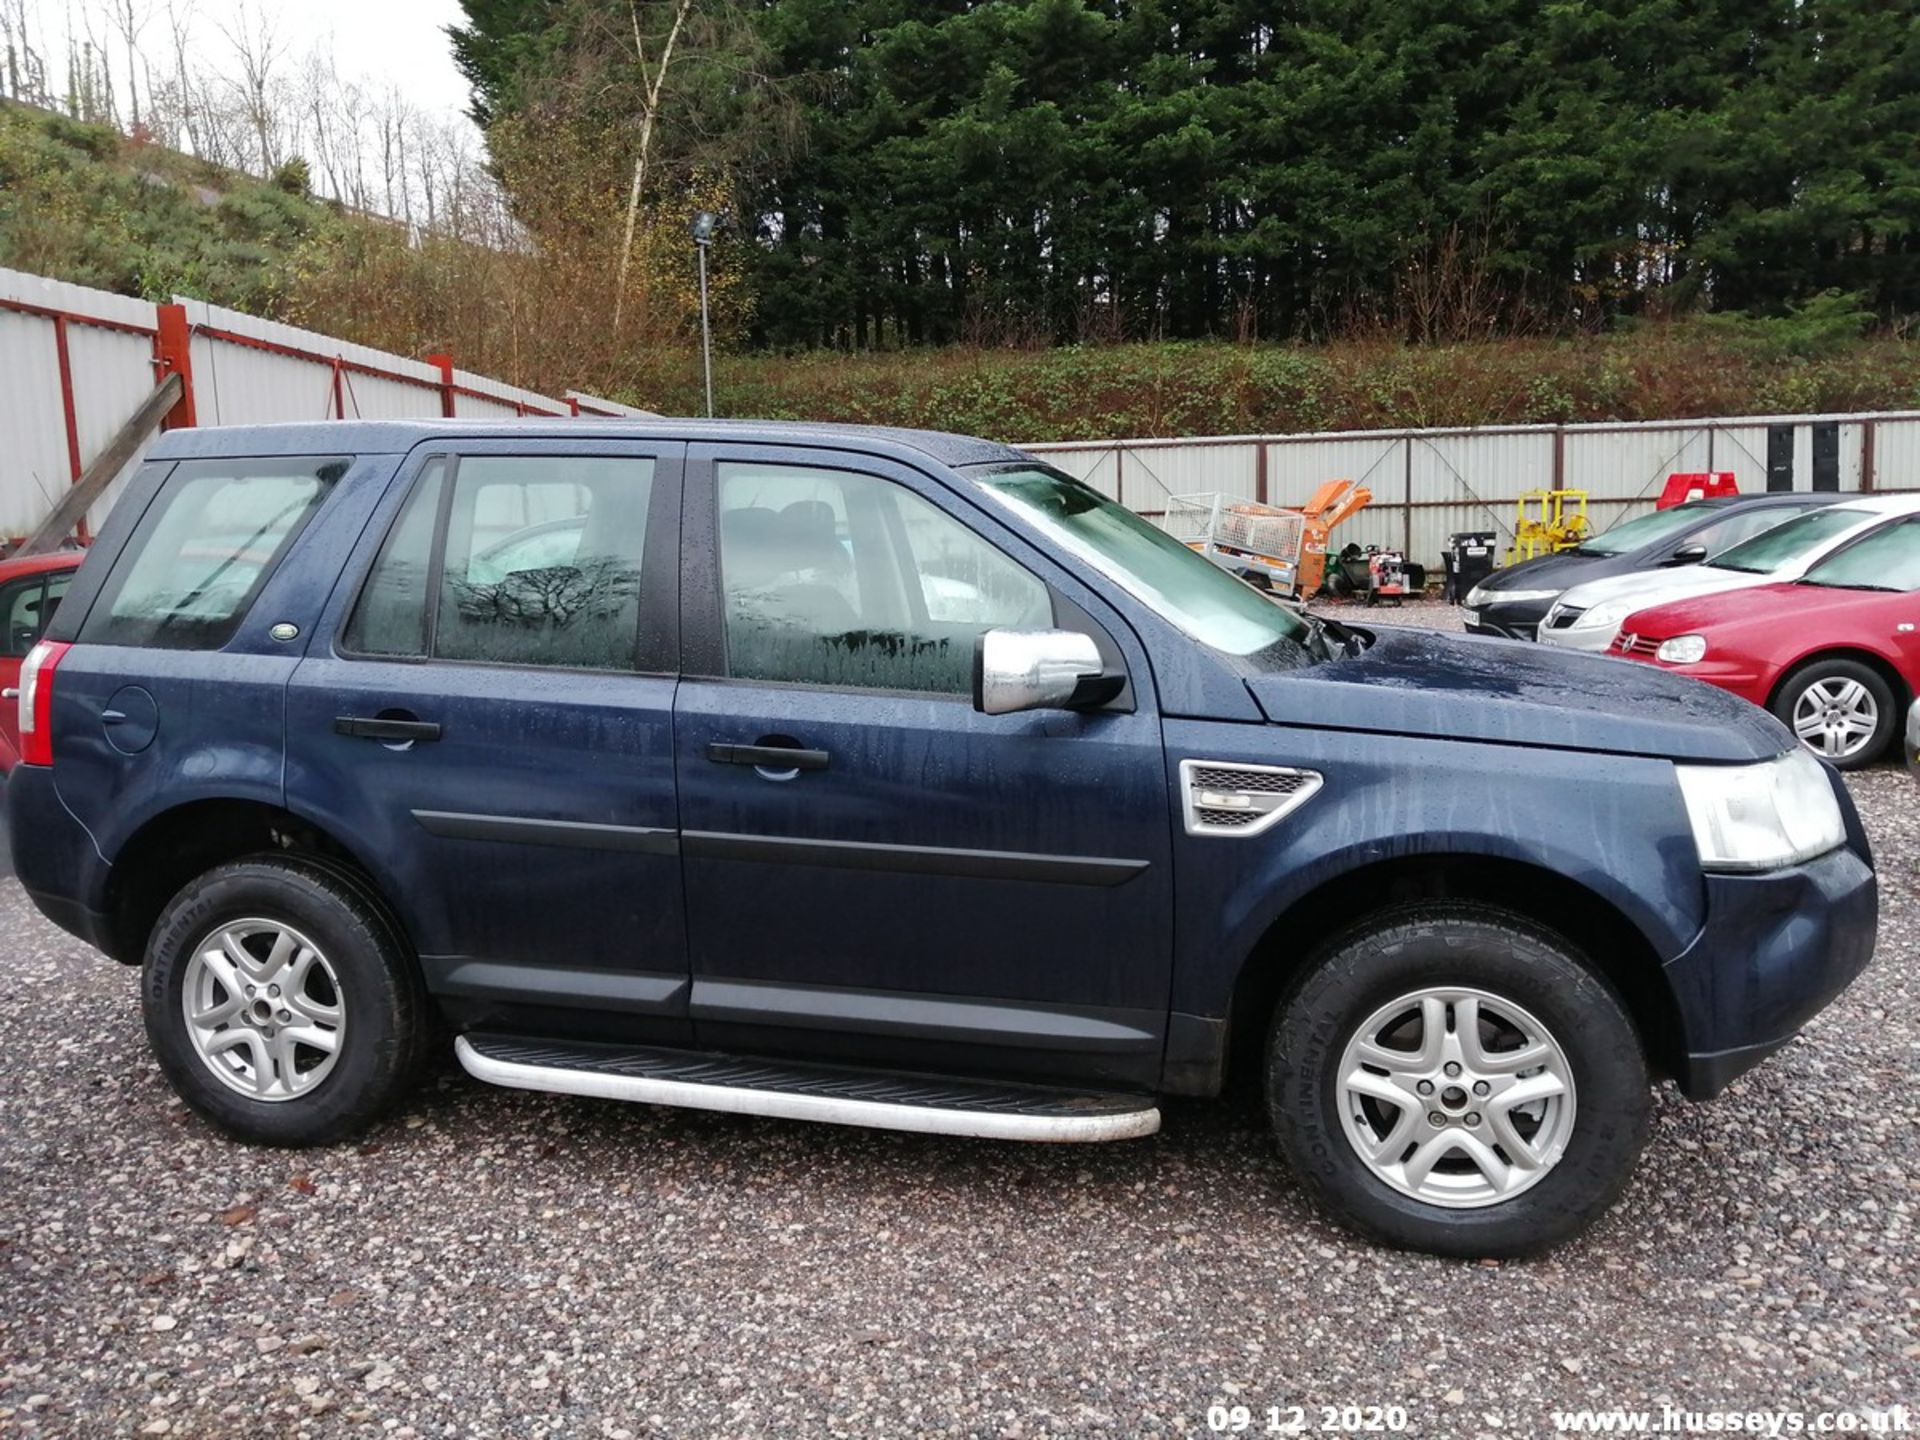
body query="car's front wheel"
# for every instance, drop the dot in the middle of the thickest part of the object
(1842, 710)
(281, 1003)
(1453, 1078)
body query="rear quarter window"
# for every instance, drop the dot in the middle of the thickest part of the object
(200, 555)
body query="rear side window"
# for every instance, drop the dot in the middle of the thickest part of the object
(26, 607)
(515, 560)
(194, 564)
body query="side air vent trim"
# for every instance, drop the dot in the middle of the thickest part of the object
(1232, 798)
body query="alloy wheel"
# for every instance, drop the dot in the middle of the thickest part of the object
(1836, 717)
(264, 1009)
(1456, 1097)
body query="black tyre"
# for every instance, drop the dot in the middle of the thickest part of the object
(1452, 1078)
(282, 1004)
(1841, 710)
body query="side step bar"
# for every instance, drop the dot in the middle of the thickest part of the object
(926, 1105)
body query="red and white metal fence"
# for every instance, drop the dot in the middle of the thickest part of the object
(74, 362)
(1428, 484)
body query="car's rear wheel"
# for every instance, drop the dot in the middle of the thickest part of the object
(281, 1003)
(1453, 1078)
(1841, 710)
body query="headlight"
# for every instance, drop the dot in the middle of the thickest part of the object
(1480, 595)
(1682, 650)
(1760, 817)
(1604, 617)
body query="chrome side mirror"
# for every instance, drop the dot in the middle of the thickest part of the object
(1689, 555)
(1017, 670)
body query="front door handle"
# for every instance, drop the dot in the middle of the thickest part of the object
(369, 727)
(767, 757)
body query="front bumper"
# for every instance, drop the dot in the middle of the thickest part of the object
(1775, 951)
(1505, 622)
(1592, 639)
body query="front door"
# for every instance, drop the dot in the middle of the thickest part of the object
(874, 869)
(493, 717)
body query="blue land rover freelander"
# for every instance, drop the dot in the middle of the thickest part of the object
(894, 779)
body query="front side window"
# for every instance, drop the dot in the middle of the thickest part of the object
(1887, 559)
(519, 560)
(844, 580)
(203, 550)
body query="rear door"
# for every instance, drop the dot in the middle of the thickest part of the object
(176, 681)
(487, 710)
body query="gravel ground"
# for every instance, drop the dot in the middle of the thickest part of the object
(493, 1263)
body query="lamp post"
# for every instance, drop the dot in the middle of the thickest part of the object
(703, 224)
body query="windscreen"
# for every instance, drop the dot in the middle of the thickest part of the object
(1886, 559)
(1785, 544)
(1644, 531)
(1192, 593)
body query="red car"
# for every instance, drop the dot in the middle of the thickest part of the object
(29, 591)
(1836, 654)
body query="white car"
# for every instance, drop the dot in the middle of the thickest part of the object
(1588, 616)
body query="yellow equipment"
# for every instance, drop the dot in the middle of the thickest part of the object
(1546, 521)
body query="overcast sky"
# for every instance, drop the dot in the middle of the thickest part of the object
(379, 42)
(401, 41)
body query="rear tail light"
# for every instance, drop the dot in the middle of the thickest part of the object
(36, 702)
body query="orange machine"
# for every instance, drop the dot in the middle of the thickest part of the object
(1284, 548)
(1333, 502)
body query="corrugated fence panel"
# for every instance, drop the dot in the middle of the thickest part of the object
(1428, 485)
(107, 365)
(112, 373)
(287, 373)
(1741, 449)
(1470, 481)
(1298, 466)
(1098, 466)
(1623, 470)
(1896, 454)
(32, 422)
(498, 400)
(1153, 473)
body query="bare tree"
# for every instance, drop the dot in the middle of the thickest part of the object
(651, 84)
(25, 76)
(258, 49)
(129, 19)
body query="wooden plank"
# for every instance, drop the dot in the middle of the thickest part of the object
(106, 466)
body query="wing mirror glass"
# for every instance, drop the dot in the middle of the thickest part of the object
(1016, 670)
(1689, 555)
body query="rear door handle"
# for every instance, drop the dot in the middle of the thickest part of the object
(367, 727)
(767, 757)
